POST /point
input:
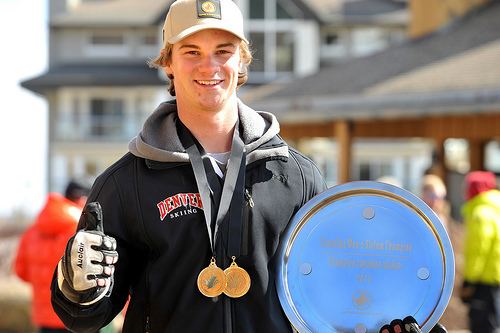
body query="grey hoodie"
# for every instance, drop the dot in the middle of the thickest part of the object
(158, 140)
(161, 257)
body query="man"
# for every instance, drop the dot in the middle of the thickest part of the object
(42, 245)
(152, 206)
(481, 214)
(197, 206)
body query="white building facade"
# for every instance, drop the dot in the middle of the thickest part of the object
(100, 90)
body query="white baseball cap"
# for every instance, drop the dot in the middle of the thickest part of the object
(185, 17)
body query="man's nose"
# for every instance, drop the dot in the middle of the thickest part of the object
(208, 64)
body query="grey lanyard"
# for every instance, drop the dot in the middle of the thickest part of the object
(232, 192)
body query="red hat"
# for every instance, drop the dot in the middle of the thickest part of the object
(479, 181)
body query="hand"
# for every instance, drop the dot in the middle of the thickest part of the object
(408, 325)
(466, 292)
(85, 272)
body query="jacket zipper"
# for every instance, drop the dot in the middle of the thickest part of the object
(248, 198)
(147, 326)
(228, 315)
(246, 218)
(226, 301)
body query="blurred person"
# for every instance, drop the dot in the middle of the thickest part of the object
(433, 193)
(42, 246)
(481, 273)
(206, 190)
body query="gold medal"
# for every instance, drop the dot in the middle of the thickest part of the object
(238, 280)
(211, 280)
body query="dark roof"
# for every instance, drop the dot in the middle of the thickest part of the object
(371, 7)
(355, 11)
(324, 108)
(478, 28)
(94, 75)
(307, 11)
(122, 13)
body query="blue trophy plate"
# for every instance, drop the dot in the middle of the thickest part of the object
(361, 254)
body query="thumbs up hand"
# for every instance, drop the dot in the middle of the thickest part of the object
(85, 272)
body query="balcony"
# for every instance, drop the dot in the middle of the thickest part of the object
(104, 128)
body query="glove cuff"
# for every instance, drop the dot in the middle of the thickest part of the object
(103, 293)
(75, 296)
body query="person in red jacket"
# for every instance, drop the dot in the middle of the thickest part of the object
(41, 247)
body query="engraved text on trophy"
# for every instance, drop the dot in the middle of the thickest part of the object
(364, 257)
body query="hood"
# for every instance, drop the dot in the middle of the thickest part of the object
(477, 182)
(57, 215)
(490, 198)
(158, 139)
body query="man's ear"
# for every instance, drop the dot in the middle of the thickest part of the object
(168, 69)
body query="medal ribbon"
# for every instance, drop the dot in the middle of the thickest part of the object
(232, 192)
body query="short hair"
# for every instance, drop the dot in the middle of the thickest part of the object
(435, 184)
(75, 190)
(166, 56)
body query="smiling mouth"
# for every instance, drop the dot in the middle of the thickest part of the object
(208, 83)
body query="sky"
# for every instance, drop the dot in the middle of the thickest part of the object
(23, 117)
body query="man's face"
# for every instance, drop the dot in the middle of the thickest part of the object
(205, 68)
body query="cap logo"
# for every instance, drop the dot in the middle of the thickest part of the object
(209, 9)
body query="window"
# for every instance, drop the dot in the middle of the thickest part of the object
(257, 42)
(284, 52)
(101, 39)
(277, 59)
(106, 44)
(273, 37)
(492, 156)
(281, 11)
(78, 119)
(274, 9)
(107, 117)
(456, 153)
(257, 9)
(364, 171)
(331, 38)
(372, 170)
(150, 40)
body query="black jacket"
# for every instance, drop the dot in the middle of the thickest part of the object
(150, 205)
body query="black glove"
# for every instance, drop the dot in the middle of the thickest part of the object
(466, 292)
(85, 272)
(408, 325)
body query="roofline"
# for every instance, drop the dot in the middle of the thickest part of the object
(308, 10)
(53, 79)
(397, 19)
(317, 108)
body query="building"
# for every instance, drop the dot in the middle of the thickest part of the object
(356, 28)
(403, 110)
(99, 88)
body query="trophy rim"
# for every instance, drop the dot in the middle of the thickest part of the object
(361, 188)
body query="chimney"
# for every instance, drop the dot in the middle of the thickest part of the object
(427, 16)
